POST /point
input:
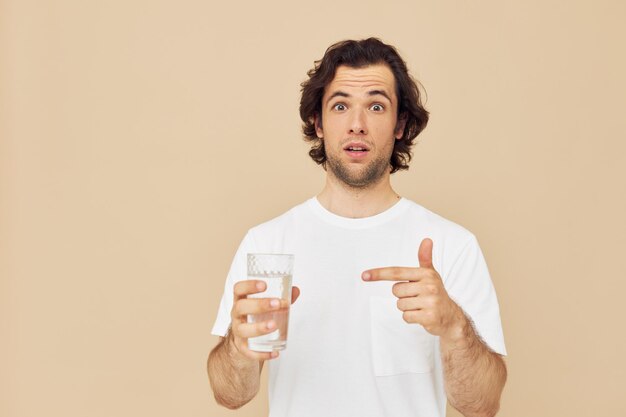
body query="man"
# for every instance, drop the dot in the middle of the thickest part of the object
(397, 310)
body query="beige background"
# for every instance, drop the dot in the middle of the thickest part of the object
(141, 139)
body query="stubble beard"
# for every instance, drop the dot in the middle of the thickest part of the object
(358, 177)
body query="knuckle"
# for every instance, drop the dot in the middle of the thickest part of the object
(396, 289)
(243, 306)
(236, 308)
(406, 316)
(430, 277)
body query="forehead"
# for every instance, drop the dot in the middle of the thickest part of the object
(371, 77)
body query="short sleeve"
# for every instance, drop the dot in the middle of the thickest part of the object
(238, 272)
(469, 284)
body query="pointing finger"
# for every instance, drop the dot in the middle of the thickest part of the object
(393, 273)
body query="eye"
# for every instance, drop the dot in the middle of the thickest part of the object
(339, 107)
(377, 107)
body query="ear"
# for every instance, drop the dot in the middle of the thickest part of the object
(400, 125)
(318, 126)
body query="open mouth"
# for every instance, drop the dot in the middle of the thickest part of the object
(356, 148)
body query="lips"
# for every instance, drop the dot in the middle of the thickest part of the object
(356, 150)
(356, 147)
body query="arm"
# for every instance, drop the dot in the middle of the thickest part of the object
(234, 370)
(233, 376)
(474, 375)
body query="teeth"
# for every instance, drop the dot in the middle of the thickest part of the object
(356, 149)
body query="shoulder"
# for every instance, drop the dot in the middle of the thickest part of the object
(278, 225)
(456, 252)
(436, 224)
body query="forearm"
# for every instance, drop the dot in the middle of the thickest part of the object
(474, 375)
(234, 378)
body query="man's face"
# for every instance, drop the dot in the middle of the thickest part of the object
(359, 124)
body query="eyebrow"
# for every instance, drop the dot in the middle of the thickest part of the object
(369, 93)
(379, 93)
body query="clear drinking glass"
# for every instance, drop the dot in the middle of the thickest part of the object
(275, 270)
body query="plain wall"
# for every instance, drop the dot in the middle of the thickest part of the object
(139, 140)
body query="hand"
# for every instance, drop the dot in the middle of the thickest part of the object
(423, 299)
(241, 330)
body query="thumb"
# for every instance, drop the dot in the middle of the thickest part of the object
(425, 253)
(295, 293)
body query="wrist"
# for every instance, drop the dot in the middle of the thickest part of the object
(459, 331)
(235, 352)
(232, 348)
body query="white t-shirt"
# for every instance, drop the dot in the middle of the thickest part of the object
(349, 351)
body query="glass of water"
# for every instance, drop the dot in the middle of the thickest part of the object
(275, 270)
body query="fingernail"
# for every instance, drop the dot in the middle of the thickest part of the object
(259, 285)
(274, 303)
(366, 276)
(274, 354)
(271, 324)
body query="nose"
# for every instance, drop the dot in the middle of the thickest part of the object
(358, 126)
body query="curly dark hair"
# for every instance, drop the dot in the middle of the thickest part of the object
(358, 54)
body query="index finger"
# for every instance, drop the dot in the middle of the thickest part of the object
(393, 273)
(247, 287)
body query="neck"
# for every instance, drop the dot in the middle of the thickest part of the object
(346, 201)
